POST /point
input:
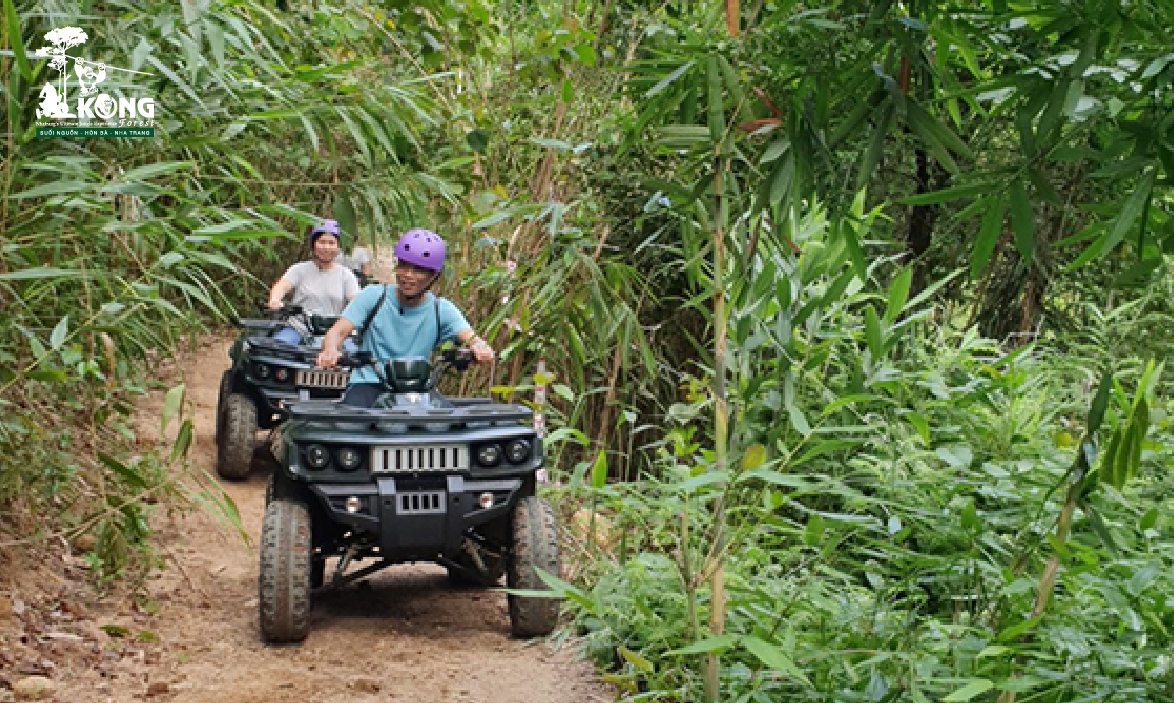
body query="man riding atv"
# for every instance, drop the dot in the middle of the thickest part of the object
(399, 473)
(401, 320)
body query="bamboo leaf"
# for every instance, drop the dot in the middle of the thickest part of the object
(668, 80)
(1022, 221)
(720, 643)
(181, 83)
(1110, 471)
(876, 148)
(1130, 212)
(53, 188)
(988, 237)
(774, 150)
(733, 84)
(957, 192)
(974, 688)
(1100, 403)
(855, 257)
(781, 178)
(183, 440)
(754, 457)
(873, 334)
(57, 338)
(898, 294)
(637, 660)
(344, 212)
(556, 144)
(599, 470)
(39, 272)
(143, 173)
(923, 125)
(132, 477)
(774, 658)
(171, 405)
(16, 40)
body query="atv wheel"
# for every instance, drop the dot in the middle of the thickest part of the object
(225, 391)
(535, 547)
(470, 575)
(287, 563)
(238, 432)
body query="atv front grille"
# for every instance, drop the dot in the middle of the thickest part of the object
(420, 503)
(434, 458)
(318, 378)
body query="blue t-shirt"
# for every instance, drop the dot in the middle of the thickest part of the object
(394, 334)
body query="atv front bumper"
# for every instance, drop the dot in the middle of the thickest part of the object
(416, 522)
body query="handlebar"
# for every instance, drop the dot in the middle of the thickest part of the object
(282, 312)
(458, 358)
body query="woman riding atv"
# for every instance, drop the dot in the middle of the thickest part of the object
(319, 286)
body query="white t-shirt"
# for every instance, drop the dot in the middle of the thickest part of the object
(321, 292)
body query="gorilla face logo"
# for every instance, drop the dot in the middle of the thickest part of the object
(105, 106)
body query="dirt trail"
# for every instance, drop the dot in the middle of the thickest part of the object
(402, 635)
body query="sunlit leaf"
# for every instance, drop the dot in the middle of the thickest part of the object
(775, 658)
(970, 690)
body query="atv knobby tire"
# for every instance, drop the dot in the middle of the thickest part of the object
(237, 436)
(535, 547)
(286, 577)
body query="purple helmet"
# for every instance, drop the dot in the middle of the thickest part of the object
(422, 248)
(324, 227)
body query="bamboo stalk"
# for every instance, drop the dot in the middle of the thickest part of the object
(717, 605)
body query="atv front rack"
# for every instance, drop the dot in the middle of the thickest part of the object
(473, 412)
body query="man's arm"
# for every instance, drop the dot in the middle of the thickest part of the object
(482, 352)
(328, 357)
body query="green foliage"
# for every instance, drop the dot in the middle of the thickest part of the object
(888, 537)
(116, 251)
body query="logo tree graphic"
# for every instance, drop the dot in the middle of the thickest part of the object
(63, 38)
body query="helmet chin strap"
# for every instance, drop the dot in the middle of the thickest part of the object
(413, 299)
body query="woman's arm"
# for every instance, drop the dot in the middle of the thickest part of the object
(278, 292)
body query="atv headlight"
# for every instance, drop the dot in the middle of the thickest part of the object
(489, 455)
(349, 459)
(517, 451)
(261, 370)
(317, 457)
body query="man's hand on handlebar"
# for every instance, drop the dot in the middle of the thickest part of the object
(327, 358)
(482, 352)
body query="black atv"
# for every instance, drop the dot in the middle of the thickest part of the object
(417, 477)
(266, 376)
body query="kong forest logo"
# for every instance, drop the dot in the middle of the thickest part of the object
(93, 113)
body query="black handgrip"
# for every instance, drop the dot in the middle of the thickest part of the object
(458, 357)
(282, 312)
(353, 360)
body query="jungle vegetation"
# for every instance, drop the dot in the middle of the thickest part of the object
(852, 317)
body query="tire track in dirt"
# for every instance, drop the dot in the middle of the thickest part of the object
(404, 634)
